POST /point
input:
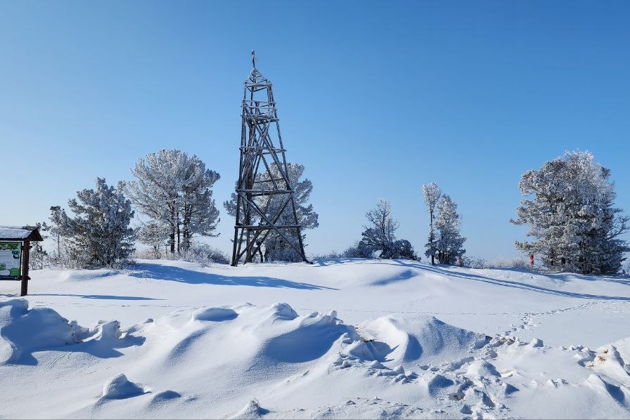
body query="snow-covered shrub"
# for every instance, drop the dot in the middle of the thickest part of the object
(280, 252)
(204, 254)
(517, 263)
(147, 253)
(359, 250)
(400, 248)
(328, 256)
(568, 205)
(473, 262)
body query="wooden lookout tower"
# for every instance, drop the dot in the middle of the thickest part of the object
(265, 200)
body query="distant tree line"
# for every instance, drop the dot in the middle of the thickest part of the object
(172, 190)
(378, 239)
(568, 205)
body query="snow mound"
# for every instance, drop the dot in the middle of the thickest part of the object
(24, 331)
(405, 340)
(215, 314)
(282, 311)
(310, 338)
(437, 384)
(482, 368)
(119, 387)
(612, 365)
(252, 410)
(165, 396)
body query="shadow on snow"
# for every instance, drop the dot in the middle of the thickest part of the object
(104, 297)
(102, 349)
(182, 275)
(514, 284)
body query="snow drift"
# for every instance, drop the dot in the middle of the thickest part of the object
(245, 361)
(409, 341)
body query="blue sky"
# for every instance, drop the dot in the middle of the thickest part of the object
(375, 99)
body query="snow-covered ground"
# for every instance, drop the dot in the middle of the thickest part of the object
(334, 339)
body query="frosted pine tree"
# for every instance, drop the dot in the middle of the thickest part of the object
(275, 248)
(175, 190)
(432, 194)
(569, 207)
(199, 213)
(449, 243)
(97, 232)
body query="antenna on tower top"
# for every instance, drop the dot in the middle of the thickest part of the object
(254, 58)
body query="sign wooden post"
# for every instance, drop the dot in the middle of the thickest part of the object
(26, 247)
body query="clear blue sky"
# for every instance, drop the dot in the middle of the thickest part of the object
(375, 99)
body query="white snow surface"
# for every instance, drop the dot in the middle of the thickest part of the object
(336, 339)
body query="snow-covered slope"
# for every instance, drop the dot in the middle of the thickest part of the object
(355, 339)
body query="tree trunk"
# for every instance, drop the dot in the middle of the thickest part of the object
(179, 234)
(173, 223)
(431, 236)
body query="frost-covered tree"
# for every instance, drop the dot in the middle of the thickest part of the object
(174, 189)
(53, 227)
(97, 231)
(39, 257)
(379, 236)
(155, 235)
(275, 247)
(449, 243)
(569, 207)
(199, 213)
(432, 194)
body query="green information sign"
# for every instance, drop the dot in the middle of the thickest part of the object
(10, 260)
